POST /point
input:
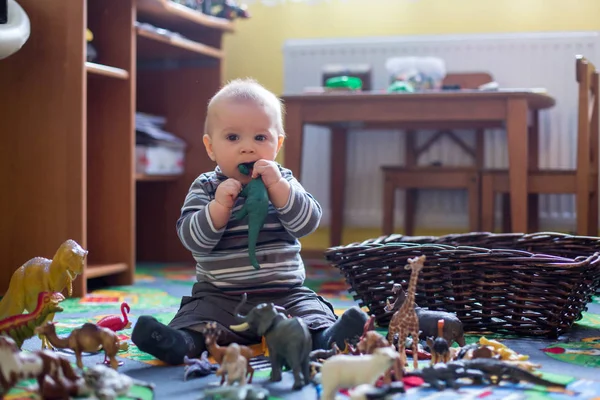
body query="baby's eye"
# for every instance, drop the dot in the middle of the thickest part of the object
(260, 138)
(232, 137)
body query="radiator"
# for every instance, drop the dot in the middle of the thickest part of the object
(521, 60)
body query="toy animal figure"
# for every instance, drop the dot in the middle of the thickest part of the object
(370, 339)
(233, 365)
(211, 333)
(115, 323)
(198, 366)
(39, 365)
(107, 384)
(43, 275)
(368, 392)
(350, 348)
(246, 392)
(89, 338)
(440, 351)
(453, 327)
(442, 376)
(256, 208)
(227, 9)
(346, 371)
(405, 321)
(320, 355)
(288, 339)
(21, 327)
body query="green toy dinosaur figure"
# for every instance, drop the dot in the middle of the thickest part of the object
(21, 327)
(256, 208)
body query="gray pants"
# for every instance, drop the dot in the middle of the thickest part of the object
(209, 304)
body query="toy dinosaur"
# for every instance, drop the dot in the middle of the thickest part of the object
(256, 208)
(494, 371)
(21, 327)
(89, 338)
(446, 375)
(43, 275)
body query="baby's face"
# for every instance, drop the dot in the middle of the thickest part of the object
(241, 132)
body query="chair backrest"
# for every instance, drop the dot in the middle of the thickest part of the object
(462, 80)
(588, 128)
(467, 80)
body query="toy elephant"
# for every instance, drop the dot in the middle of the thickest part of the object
(288, 340)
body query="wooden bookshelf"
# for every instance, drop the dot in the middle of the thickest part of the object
(105, 70)
(155, 178)
(68, 147)
(96, 271)
(170, 15)
(67, 160)
(152, 45)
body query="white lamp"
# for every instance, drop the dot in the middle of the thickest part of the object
(15, 32)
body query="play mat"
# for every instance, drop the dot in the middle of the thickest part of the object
(158, 289)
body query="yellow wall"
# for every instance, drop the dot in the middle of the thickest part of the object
(255, 48)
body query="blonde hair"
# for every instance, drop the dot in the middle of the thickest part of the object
(247, 89)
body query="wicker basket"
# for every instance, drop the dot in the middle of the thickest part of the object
(534, 285)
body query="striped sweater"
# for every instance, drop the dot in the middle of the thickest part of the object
(222, 254)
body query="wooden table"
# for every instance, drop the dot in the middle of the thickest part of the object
(448, 109)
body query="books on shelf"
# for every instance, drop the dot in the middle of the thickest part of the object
(158, 152)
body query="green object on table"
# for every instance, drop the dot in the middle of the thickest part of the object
(256, 208)
(344, 82)
(401, 86)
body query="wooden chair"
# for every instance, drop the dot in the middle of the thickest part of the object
(583, 182)
(412, 177)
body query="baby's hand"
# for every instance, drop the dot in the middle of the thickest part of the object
(268, 171)
(227, 192)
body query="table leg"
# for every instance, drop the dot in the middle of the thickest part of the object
(292, 147)
(339, 140)
(516, 132)
(534, 151)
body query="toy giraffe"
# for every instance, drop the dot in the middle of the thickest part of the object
(405, 320)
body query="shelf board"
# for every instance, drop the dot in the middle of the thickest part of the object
(152, 45)
(155, 178)
(105, 70)
(98, 270)
(170, 15)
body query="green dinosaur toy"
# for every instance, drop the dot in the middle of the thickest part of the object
(256, 208)
(21, 327)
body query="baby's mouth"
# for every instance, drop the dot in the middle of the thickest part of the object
(246, 168)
